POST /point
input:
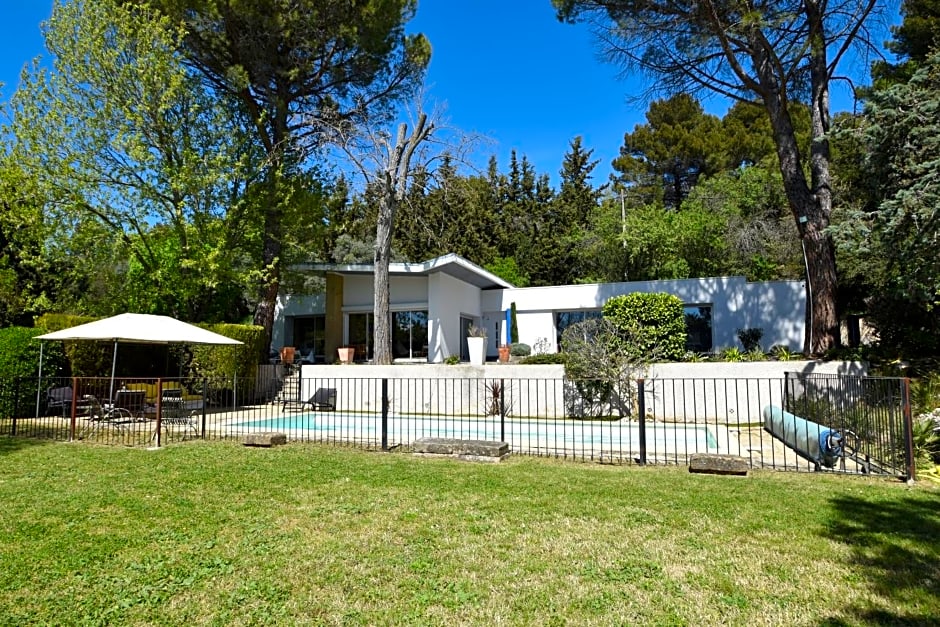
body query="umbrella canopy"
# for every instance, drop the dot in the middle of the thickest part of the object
(140, 329)
(135, 329)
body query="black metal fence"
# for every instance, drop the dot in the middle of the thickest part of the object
(802, 422)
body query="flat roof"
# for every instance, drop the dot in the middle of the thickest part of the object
(450, 264)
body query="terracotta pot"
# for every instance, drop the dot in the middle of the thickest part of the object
(504, 353)
(346, 354)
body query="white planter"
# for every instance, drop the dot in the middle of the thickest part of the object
(476, 346)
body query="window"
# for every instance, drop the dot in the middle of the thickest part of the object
(310, 338)
(409, 334)
(698, 327)
(360, 335)
(564, 319)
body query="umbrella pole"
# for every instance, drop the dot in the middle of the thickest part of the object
(113, 366)
(39, 384)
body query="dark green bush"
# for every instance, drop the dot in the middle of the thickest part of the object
(750, 338)
(654, 322)
(544, 358)
(225, 362)
(19, 368)
(520, 350)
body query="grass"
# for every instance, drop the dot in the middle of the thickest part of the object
(217, 534)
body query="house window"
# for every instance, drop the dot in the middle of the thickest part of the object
(310, 338)
(360, 335)
(698, 327)
(564, 319)
(409, 334)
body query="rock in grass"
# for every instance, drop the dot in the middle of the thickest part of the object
(266, 439)
(718, 464)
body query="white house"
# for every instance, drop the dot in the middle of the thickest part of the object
(434, 302)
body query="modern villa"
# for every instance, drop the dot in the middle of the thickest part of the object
(433, 303)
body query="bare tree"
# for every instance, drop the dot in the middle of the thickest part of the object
(387, 162)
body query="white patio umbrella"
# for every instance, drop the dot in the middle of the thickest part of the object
(134, 328)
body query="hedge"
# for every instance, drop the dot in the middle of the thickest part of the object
(19, 368)
(654, 322)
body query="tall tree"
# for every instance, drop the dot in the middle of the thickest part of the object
(298, 67)
(678, 144)
(896, 242)
(914, 39)
(775, 52)
(118, 132)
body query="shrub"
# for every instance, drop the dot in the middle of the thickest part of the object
(452, 360)
(750, 338)
(732, 354)
(520, 350)
(230, 361)
(513, 325)
(545, 358)
(655, 323)
(783, 353)
(19, 367)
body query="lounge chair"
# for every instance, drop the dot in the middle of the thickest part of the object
(324, 399)
(59, 401)
(127, 408)
(182, 418)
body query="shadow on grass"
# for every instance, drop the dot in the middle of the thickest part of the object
(895, 547)
(11, 444)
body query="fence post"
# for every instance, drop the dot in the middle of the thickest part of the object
(73, 414)
(384, 414)
(641, 409)
(159, 400)
(908, 429)
(205, 398)
(502, 410)
(16, 403)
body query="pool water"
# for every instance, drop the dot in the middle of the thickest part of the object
(576, 433)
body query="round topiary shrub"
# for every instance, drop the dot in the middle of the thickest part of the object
(520, 350)
(655, 323)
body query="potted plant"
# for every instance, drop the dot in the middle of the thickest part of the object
(346, 354)
(476, 345)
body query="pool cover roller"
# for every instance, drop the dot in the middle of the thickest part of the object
(812, 440)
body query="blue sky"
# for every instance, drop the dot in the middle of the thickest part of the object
(506, 69)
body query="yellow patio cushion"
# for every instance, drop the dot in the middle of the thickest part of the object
(150, 390)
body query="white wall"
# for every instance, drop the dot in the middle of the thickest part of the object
(403, 291)
(450, 298)
(777, 307)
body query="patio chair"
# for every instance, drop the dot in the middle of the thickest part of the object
(323, 399)
(59, 401)
(182, 418)
(118, 414)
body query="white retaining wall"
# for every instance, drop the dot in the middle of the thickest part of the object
(690, 392)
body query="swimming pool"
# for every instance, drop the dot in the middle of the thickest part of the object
(615, 435)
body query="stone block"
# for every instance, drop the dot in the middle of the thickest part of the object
(266, 439)
(475, 450)
(718, 464)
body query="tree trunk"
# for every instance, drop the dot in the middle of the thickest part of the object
(393, 186)
(381, 312)
(810, 206)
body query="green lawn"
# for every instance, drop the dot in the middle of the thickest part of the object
(214, 533)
